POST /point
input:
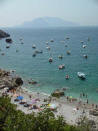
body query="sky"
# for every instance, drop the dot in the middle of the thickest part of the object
(16, 12)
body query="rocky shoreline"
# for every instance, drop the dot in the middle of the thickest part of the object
(3, 34)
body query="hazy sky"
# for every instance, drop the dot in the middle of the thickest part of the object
(14, 12)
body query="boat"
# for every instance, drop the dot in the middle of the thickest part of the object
(22, 42)
(50, 60)
(85, 56)
(34, 55)
(51, 40)
(82, 41)
(88, 39)
(46, 43)
(38, 51)
(7, 46)
(61, 66)
(67, 77)
(2, 53)
(33, 46)
(17, 50)
(84, 46)
(66, 45)
(60, 57)
(48, 47)
(67, 38)
(68, 52)
(81, 75)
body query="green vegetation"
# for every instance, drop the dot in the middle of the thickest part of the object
(15, 120)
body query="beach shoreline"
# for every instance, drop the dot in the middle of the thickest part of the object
(70, 110)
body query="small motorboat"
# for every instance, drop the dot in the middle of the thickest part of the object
(46, 43)
(84, 46)
(67, 38)
(51, 40)
(85, 56)
(48, 47)
(50, 60)
(33, 46)
(7, 46)
(61, 66)
(60, 56)
(34, 55)
(68, 52)
(17, 50)
(38, 51)
(66, 45)
(22, 42)
(67, 77)
(81, 75)
(82, 41)
(88, 39)
(3, 54)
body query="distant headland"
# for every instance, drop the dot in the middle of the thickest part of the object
(46, 22)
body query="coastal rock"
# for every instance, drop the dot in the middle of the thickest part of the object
(58, 93)
(3, 34)
(92, 122)
(32, 82)
(18, 81)
(93, 112)
(4, 73)
(9, 40)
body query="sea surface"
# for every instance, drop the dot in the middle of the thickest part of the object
(48, 76)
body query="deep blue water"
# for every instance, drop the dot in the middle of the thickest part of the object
(48, 75)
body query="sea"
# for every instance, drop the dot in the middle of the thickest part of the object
(19, 57)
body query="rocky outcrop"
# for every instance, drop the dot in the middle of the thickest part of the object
(6, 80)
(19, 81)
(58, 93)
(94, 112)
(3, 34)
(8, 40)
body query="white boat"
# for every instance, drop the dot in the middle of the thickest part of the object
(34, 46)
(68, 52)
(60, 56)
(61, 66)
(48, 47)
(81, 75)
(84, 46)
(85, 56)
(50, 59)
(47, 42)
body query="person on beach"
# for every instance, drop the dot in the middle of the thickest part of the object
(87, 101)
(30, 97)
(96, 106)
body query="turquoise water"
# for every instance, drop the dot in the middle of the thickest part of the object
(48, 75)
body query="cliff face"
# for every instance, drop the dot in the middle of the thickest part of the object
(3, 34)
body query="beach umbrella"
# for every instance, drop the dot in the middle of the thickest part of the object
(70, 97)
(20, 97)
(52, 106)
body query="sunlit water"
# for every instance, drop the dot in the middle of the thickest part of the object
(48, 75)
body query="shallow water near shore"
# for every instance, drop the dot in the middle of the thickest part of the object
(48, 76)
